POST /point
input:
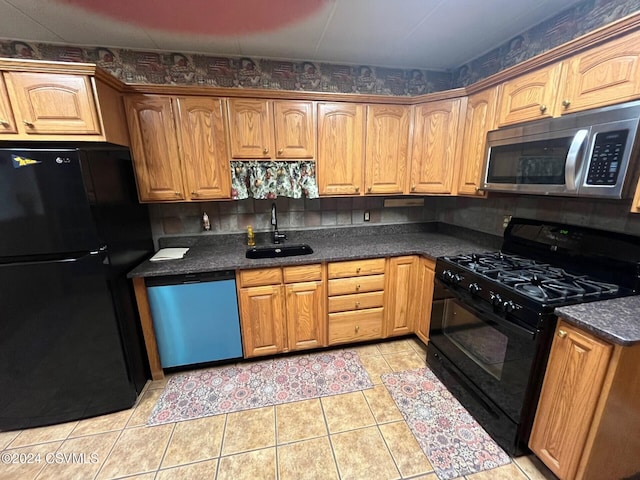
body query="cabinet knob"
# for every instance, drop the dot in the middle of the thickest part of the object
(357, 328)
(562, 333)
(413, 188)
(358, 287)
(177, 194)
(358, 269)
(566, 103)
(281, 151)
(27, 123)
(357, 189)
(265, 150)
(194, 194)
(369, 189)
(543, 108)
(357, 304)
(3, 122)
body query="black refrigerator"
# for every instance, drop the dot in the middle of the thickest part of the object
(71, 228)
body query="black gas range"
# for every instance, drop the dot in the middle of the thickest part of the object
(493, 315)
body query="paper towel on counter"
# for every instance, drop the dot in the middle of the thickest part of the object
(169, 254)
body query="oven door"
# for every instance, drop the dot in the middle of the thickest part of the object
(495, 354)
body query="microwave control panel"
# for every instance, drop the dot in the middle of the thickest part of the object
(606, 157)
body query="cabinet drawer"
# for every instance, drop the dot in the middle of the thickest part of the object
(302, 273)
(260, 276)
(344, 286)
(358, 301)
(356, 268)
(355, 326)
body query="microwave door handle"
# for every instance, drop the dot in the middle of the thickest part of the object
(570, 168)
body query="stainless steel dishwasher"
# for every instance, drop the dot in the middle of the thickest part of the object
(195, 317)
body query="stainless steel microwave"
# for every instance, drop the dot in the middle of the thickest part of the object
(587, 154)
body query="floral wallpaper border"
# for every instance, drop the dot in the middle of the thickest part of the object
(175, 68)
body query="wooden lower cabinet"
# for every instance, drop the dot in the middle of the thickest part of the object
(277, 316)
(425, 283)
(262, 320)
(402, 305)
(587, 422)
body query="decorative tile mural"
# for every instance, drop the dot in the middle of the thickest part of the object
(175, 68)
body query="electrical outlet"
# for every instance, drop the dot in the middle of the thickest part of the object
(366, 216)
(505, 221)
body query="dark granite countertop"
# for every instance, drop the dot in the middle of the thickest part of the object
(213, 253)
(617, 320)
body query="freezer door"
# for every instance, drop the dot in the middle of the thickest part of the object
(61, 357)
(43, 204)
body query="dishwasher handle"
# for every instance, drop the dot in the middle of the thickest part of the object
(190, 278)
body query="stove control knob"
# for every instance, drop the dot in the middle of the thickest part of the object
(509, 306)
(447, 275)
(456, 278)
(474, 288)
(495, 299)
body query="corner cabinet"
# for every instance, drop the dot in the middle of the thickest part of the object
(479, 119)
(178, 146)
(341, 150)
(587, 420)
(436, 146)
(271, 129)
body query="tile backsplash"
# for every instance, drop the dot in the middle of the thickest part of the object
(484, 215)
(234, 216)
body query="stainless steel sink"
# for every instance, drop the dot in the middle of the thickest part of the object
(275, 251)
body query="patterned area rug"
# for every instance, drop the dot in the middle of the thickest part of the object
(227, 389)
(453, 441)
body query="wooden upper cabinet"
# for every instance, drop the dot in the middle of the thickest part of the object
(274, 129)
(479, 119)
(435, 154)
(604, 75)
(249, 128)
(295, 131)
(341, 134)
(387, 150)
(573, 381)
(531, 96)
(7, 121)
(53, 103)
(154, 147)
(204, 153)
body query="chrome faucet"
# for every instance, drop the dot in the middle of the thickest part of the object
(277, 236)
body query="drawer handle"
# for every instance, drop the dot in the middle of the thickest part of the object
(357, 304)
(562, 333)
(358, 269)
(357, 328)
(358, 287)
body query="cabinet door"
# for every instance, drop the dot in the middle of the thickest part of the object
(47, 103)
(604, 75)
(572, 384)
(306, 319)
(341, 132)
(262, 320)
(155, 148)
(7, 122)
(400, 305)
(480, 118)
(249, 128)
(435, 146)
(204, 152)
(294, 129)
(387, 148)
(425, 282)
(531, 96)
(635, 206)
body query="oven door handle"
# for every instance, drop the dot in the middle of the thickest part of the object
(490, 315)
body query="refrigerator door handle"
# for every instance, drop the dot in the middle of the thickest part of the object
(72, 259)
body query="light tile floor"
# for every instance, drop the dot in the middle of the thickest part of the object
(357, 435)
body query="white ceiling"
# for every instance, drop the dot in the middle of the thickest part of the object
(429, 34)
